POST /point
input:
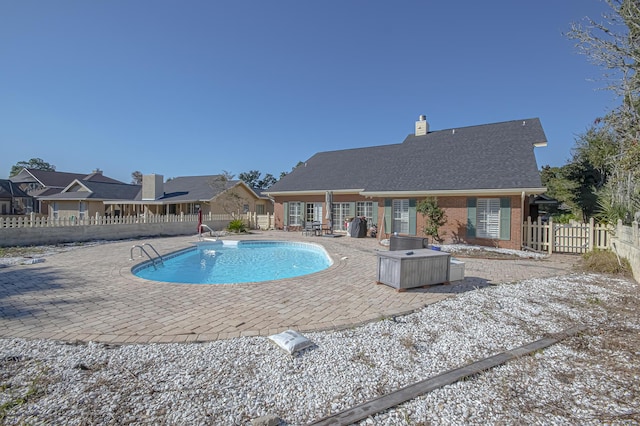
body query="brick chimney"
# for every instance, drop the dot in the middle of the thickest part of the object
(152, 187)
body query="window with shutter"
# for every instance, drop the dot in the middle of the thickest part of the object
(295, 213)
(488, 218)
(400, 216)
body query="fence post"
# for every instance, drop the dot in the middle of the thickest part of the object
(550, 236)
(635, 234)
(591, 234)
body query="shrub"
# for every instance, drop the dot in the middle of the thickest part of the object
(563, 218)
(606, 262)
(237, 226)
(434, 216)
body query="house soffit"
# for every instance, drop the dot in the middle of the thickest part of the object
(316, 192)
(456, 193)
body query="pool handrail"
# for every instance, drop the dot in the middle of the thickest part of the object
(142, 250)
(204, 226)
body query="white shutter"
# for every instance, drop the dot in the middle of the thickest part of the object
(488, 218)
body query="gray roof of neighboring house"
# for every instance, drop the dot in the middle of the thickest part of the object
(193, 188)
(490, 156)
(99, 191)
(176, 190)
(9, 190)
(58, 179)
(261, 193)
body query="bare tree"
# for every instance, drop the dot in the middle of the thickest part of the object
(136, 178)
(228, 196)
(613, 44)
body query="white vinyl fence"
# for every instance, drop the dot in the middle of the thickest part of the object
(252, 220)
(571, 237)
(33, 230)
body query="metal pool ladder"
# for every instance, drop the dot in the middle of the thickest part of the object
(211, 231)
(154, 260)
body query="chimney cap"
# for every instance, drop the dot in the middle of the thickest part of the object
(422, 117)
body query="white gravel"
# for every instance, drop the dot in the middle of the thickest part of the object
(234, 381)
(458, 248)
(39, 253)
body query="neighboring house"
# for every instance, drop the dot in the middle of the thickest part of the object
(12, 198)
(181, 195)
(82, 198)
(483, 177)
(41, 183)
(264, 204)
(187, 194)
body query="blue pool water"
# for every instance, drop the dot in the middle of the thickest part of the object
(230, 262)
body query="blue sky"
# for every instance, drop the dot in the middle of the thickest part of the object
(183, 88)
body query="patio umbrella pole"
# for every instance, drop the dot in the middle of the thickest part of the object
(329, 203)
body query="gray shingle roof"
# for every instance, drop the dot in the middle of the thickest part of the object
(490, 156)
(99, 191)
(58, 179)
(192, 188)
(195, 188)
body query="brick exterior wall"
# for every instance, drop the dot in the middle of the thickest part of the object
(455, 231)
(278, 208)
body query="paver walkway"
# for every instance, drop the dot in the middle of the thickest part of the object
(89, 294)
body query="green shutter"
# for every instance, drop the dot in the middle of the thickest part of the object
(505, 218)
(285, 218)
(374, 214)
(471, 217)
(412, 216)
(387, 216)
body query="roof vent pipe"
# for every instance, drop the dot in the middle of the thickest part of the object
(422, 127)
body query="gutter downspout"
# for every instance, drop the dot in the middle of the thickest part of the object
(522, 198)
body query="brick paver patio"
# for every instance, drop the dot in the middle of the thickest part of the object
(89, 294)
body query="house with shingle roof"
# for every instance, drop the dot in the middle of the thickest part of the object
(182, 195)
(214, 194)
(44, 183)
(82, 198)
(482, 176)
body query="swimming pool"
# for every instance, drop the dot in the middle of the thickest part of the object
(232, 262)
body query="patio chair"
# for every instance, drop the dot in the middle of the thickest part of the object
(308, 229)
